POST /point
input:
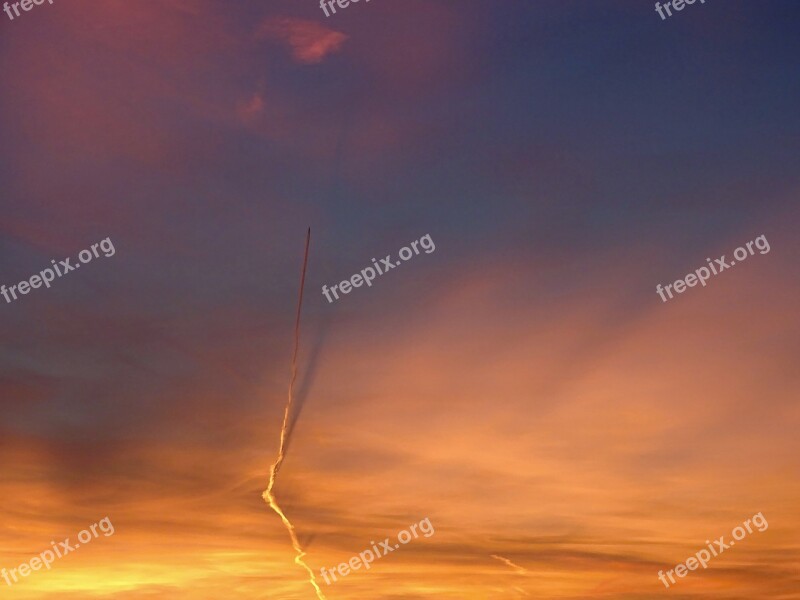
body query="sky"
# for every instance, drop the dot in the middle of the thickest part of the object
(523, 386)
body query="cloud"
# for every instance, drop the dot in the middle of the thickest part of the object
(309, 41)
(250, 109)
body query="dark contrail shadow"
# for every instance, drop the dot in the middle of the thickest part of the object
(307, 380)
(327, 316)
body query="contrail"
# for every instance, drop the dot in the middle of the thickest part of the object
(517, 568)
(521, 591)
(268, 495)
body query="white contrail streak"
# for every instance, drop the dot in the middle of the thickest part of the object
(268, 495)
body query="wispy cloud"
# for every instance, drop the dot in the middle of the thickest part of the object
(309, 42)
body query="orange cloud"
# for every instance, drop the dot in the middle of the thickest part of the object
(309, 41)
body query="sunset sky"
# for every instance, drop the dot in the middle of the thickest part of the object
(523, 386)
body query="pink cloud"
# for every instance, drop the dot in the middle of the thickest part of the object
(250, 109)
(309, 41)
